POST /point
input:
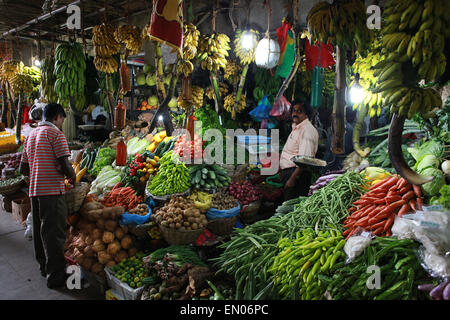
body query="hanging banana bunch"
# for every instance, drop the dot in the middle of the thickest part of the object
(10, 68)
(414, 32)
(70, 66)
(244, 47)
(231, 72)
(48, 79)
(197, 98)
(21, 83)
(212, 51)
(343, 24)
(131, 36)
(105, 47)
(190, 44)
(230, 105)
(223, 89)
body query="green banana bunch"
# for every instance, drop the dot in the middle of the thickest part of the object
(212, 51)
(70, 66)
(246, 52)
(343, 24)
(35, 74)
(21, 82)
(48, 79)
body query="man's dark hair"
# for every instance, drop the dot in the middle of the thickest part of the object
(306, 107)
(52, 110)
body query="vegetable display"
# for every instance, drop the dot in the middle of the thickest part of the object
(223, 201)
(132, 271)
(181, 214)
(209, 176)
(194, 148)
(400, 269)
(244, 192)
(141, 209)
(144, 165)
(104, 157)
(323, 181)
(376, 210)
(136, 145)
(172, 177)
(161, 144)
(105, 181)
(88, 158)
(300, 261)
(125, 197)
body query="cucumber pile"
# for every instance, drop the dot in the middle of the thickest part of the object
(88, 159)
(209, 176)
(164, 147)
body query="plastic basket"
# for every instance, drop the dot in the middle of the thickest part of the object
(178, 237)
(123, 289)
(222, 227)
(75, 196)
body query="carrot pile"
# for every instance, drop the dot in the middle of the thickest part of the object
(122, 196)
(375, 211)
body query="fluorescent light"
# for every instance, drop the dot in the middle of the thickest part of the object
(160, 118)
(37, 63)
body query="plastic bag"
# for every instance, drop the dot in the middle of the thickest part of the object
(29, 231)
(262, 110)
(269, 123)
(213, 213)
(357, 243)
(281, 109)
(130, 218)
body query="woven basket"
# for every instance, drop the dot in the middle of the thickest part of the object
(249, 212)
(177, 237)
(75, 197)
(141, 230)
(222, 227)
(11, 189)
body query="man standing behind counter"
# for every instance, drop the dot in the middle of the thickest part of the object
(302, 141)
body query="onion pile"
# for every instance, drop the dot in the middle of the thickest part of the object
(244, 192)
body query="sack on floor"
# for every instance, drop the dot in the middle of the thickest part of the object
(29, 231)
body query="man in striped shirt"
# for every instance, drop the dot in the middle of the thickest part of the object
(45, 159)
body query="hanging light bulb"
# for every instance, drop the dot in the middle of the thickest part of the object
(247, 41)
(37, 63)
(356, 94)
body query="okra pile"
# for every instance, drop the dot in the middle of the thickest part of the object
(300, 261)
(399, 270)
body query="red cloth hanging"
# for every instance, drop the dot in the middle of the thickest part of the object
(166, 24)
(25, 117)
(313, 52)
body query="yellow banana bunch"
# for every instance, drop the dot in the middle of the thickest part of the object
(223, 89)
(190, 41)
(212, 51)
(342, 24)
(416, 100)
(197, 98)
(229, 101)
(231, 71)
(9, 68)
(131, 36)
(245, 43)
(186, 67)
(21, 82)
(107, 65)
(105, 46)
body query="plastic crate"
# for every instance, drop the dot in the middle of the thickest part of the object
(253, 139)
(121, 288)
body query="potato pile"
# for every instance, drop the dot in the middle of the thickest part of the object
(223, 201)
(141, 209)
(180, 214)
(98, 240)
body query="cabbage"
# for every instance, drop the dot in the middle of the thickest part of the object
(427, 161)
(136, 145)
(430, 147)
(432, 188)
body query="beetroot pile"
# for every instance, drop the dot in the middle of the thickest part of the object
(244, 192)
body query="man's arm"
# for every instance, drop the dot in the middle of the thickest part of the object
(24, 168)
(291, 181)
(67, 168)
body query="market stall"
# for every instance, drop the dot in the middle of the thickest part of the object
(150, 217)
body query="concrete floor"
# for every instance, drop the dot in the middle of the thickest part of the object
(20, 278)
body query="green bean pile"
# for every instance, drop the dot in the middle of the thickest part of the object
(250, 253)
(327, 207)
(400, 273)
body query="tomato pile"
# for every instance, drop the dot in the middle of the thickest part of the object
(195, 146)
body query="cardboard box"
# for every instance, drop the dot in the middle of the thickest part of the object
(112, 295)
(21, 208)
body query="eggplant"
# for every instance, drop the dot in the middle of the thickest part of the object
(426, 287)
(438, 291)
(396, 154)
(446, 293)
